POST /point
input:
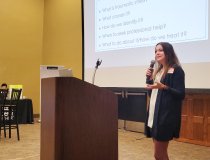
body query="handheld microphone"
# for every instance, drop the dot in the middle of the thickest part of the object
(152, 63)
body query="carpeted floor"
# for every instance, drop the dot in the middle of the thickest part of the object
(28, 148)
(132, 146)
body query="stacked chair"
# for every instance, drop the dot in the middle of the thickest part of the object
(9, 110)
(3, 96)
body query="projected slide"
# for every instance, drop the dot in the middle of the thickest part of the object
(137, 23)
(123, 35)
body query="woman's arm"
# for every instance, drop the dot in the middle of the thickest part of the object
(178, 83)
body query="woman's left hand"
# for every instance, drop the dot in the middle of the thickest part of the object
(156, 85)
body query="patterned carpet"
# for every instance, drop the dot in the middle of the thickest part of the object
(132, 146)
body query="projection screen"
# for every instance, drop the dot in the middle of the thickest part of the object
(123, 34)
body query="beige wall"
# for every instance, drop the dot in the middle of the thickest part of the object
(38, 32)
(21, 28)
(62, 43)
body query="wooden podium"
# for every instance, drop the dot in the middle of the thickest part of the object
(78, 121)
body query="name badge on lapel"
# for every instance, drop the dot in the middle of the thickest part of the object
(171, 70)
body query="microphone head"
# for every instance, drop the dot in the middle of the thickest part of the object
(98, 63)
(152, 63)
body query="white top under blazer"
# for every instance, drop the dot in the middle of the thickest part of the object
(153, 100)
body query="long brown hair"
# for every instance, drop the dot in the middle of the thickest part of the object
(171, 58)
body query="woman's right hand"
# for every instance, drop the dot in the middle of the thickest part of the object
(149, 73)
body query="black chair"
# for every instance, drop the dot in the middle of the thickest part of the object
(3, 96)
(10, 109)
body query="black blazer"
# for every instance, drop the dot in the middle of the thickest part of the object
(167, 115)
